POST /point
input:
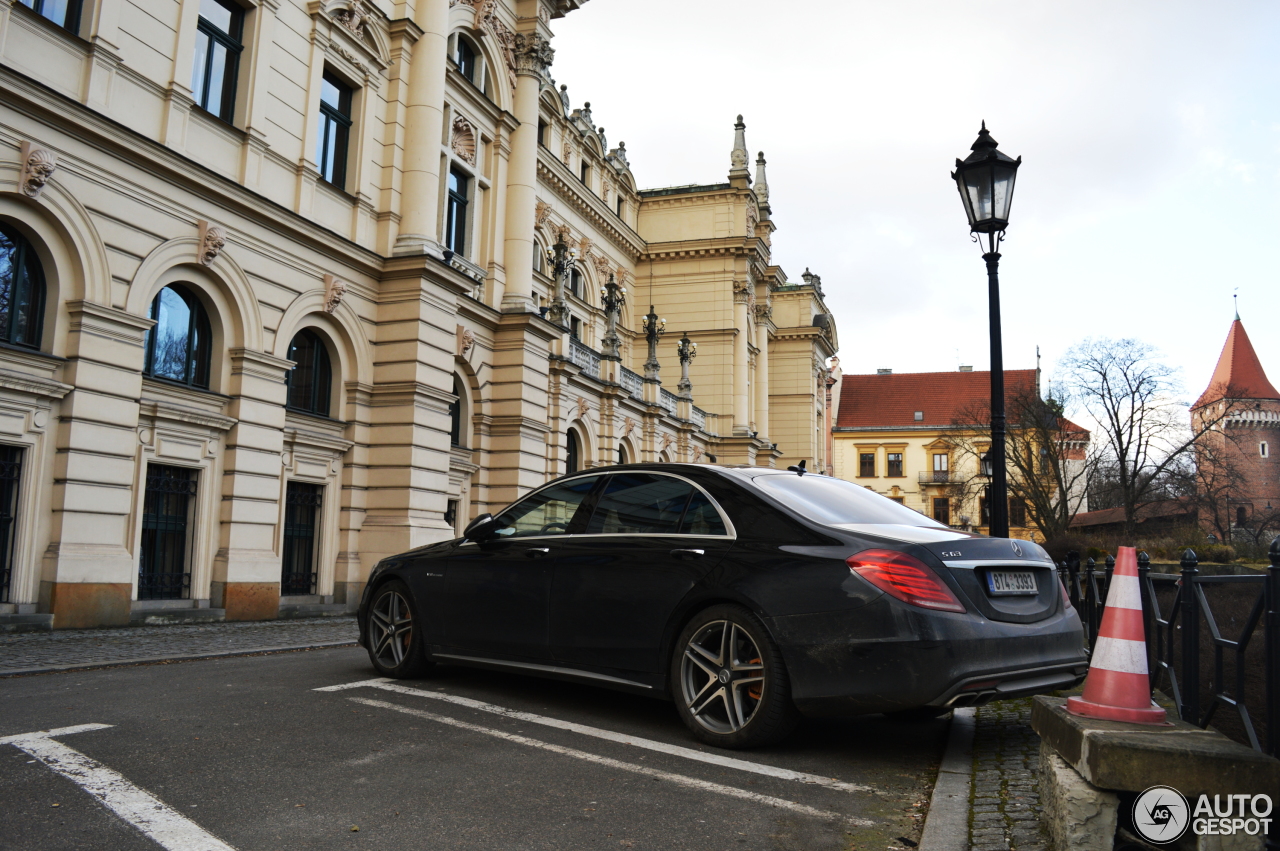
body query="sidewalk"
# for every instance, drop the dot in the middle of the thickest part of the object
(40, 652)
(1005, 802)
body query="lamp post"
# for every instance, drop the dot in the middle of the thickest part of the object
(687, 350)
(562, 259)
(612, 298)
(654, 327)
(985, 180)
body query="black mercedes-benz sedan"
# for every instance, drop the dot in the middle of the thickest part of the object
(746, 595)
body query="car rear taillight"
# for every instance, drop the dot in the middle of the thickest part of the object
(904, 577)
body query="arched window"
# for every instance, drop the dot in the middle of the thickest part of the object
(455, 415)
(21, 291)
(465, 58)
(572, 453)
(622, 453)
(178, 345)
(311, 378)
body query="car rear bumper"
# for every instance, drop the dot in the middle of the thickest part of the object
(888, 656)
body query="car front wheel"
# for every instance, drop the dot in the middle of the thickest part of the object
(395, 634)
(730, 683)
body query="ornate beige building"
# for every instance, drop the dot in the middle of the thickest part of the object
(276, 300)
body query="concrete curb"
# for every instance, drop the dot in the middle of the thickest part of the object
(947, 826)
(173, 657)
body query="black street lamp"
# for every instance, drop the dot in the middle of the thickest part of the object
(612, 298)
(654, 327)
(985, 180)
(562, 259)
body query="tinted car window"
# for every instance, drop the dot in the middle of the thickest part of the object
(640, 503)
(701, 517)
(547, 512)
(829, 500)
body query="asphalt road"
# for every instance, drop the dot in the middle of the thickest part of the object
(247, 753)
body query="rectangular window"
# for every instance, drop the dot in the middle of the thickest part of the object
(213, 79)
(10, 476)
(455, 224)
(867, 464)
(584, 171)
(901, 500)
(620, 202)
(542, 133)
(164, 564)
(941, 466)
(64, 13)
(1017, 512)
(942, 510)
(301, 527)
(335, 130)
(895, 464)
(640, 503)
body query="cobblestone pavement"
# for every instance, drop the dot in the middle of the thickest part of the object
(1005, 809)
(51, 651)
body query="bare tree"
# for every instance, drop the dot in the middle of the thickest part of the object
(1048, 460)
(1144, 433)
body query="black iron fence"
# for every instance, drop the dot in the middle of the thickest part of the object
(1213, 639)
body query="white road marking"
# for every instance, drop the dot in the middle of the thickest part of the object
(609, 735)
(168, 828)
(678, 779)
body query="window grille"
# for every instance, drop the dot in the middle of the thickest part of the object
(301, 524)
(164, 569)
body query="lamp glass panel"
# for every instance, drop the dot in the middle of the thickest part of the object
(1003, 177)
(978, 184)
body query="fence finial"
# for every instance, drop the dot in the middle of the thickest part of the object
(1189, 558)
(1274, 552)
(1144, 560)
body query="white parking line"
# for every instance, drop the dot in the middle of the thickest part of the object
(678, 779)
(169, 829)
(609, 735)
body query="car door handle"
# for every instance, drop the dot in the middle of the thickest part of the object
(688, 553)
(536, 552)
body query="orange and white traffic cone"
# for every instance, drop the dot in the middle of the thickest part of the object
(1118, 688)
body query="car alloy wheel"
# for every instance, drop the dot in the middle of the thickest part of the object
(394, 643)
(731, 686)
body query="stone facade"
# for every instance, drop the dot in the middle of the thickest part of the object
(371, 191)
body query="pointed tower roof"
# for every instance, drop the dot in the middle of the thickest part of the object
(1239, 372)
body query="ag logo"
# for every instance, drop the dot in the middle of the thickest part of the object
(1161, 814)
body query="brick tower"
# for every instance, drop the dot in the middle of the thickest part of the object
(1240, 481)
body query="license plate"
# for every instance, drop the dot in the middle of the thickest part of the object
(1008, 582)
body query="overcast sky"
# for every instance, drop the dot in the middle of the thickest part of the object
(1149, 132)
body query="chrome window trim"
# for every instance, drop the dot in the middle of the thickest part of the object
(724, 517)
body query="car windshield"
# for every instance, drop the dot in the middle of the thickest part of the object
(833, 501)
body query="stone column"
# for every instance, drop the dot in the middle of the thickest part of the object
(762, 318)
(533, 58)
(741, 361)
(246, 571)
(87, 577)
(423, 124)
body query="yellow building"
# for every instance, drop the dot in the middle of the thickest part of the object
(285, 306)
(904, 435)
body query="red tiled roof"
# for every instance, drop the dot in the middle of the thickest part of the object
(889, 401)
(1150, 511)
(1239, 373)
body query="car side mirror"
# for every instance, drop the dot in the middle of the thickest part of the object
(480, 528)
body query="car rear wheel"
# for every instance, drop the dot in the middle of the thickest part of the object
(729, 681)
(395, 634)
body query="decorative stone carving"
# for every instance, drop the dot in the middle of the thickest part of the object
(501, 33)
(619, 155)
(533, 54)
(542, 213)
(37, 167)
(738, 159)
(562, 233)
(605, 191)
(353, 17)
(568, 152)
(583, 407)
(697, 454)
(334, 290)
(742, 292)
(350, 57)
(764, 312)
(584, 247)
(602, 265)
(463, 140)
(466, 341)
(628, 425)
(751, 220)
(667, 439)
(212, 241)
